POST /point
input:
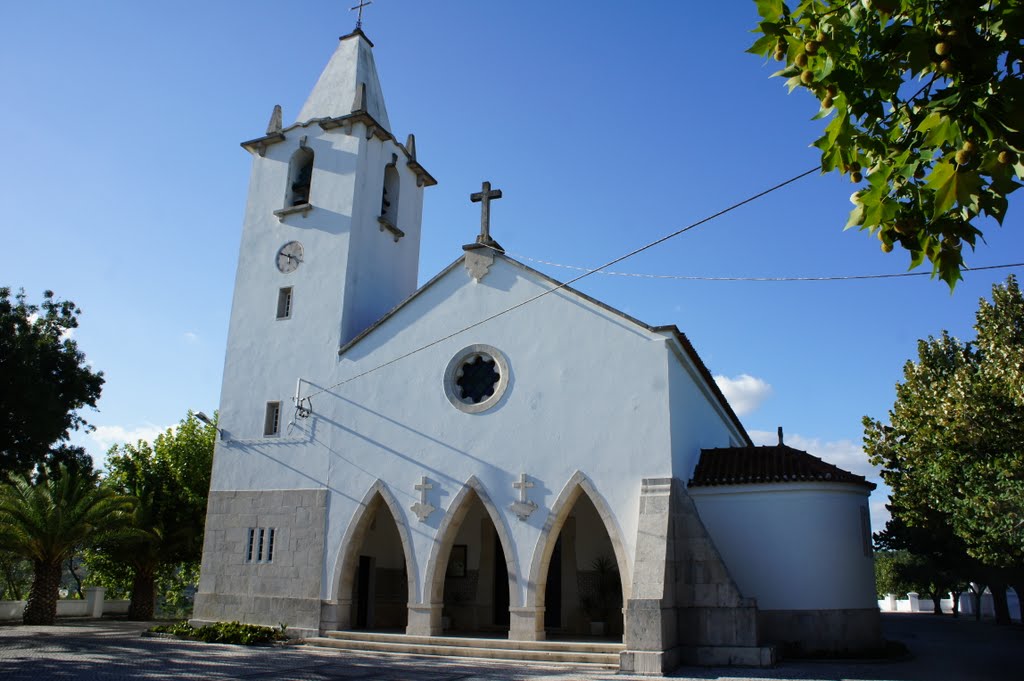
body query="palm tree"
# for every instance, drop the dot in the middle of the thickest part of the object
(46, 518)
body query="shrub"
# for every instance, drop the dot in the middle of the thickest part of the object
(225, 632)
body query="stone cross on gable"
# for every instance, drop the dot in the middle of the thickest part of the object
(484, 198)
(524, 507)
(422, 508)
(359, 7)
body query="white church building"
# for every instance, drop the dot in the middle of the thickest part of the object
(472, 457)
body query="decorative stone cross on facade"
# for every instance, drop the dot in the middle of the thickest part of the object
(422, 508)
(359, 17)
(484, 198)
(524, 507)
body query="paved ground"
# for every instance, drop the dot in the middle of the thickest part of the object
(941, 648)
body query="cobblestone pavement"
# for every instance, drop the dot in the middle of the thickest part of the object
(941, 648)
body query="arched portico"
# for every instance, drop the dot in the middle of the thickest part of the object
(577, 486)
(347, 569)
(428, 615)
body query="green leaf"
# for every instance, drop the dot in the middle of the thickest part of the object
(856, 217)
(968, 187)
(763, 46)
(942, 180)
(770, 10)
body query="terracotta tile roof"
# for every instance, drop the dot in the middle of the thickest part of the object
(760, 465)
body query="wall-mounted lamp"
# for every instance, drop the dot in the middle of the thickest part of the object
(208, 421)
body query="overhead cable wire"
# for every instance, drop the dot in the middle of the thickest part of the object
(563, 285)
(688, 277)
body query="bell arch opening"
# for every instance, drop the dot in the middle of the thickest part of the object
(300, 177)
(389, 195)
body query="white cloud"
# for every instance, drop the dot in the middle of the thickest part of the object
(191, 337)
(744, 392)
(107, 436)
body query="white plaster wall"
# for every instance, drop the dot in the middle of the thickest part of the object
(698, 420)
(796, 546)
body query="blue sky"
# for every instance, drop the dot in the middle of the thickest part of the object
(606, 125)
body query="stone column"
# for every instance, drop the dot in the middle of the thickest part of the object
(336, 615)
(424, 619)
(526, 624)
(94, 601)
(650, 631)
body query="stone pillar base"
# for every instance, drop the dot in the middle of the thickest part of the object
(649, 662)
(526, 624)
(424, 619)
(336, 615)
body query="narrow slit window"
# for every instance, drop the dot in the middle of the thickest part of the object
(272, 420)
(270, 544)
(259, 546)
(284, 303)
(249, 544)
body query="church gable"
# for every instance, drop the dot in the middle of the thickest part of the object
(564, 365)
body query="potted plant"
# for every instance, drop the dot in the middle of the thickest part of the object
(600, 605)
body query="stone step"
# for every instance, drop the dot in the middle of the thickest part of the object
(555, 652)
(606, 647)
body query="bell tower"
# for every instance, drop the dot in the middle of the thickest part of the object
(330, 239)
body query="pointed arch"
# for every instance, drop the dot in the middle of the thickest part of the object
(433, 586)
(578, 484)
(348, 559)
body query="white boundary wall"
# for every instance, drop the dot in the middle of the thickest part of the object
(915, 603)
(94, 605)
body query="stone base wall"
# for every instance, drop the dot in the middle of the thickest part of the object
(810, 631)
(285, 589)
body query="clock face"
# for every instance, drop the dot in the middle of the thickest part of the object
(289, 256)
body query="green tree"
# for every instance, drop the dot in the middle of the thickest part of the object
(926, 100)
(929, 560)
(953, 450)
(170, 481)
(45, 378)
(46, 519)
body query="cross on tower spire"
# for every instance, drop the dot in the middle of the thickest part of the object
(359, 16)
(484, 198)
